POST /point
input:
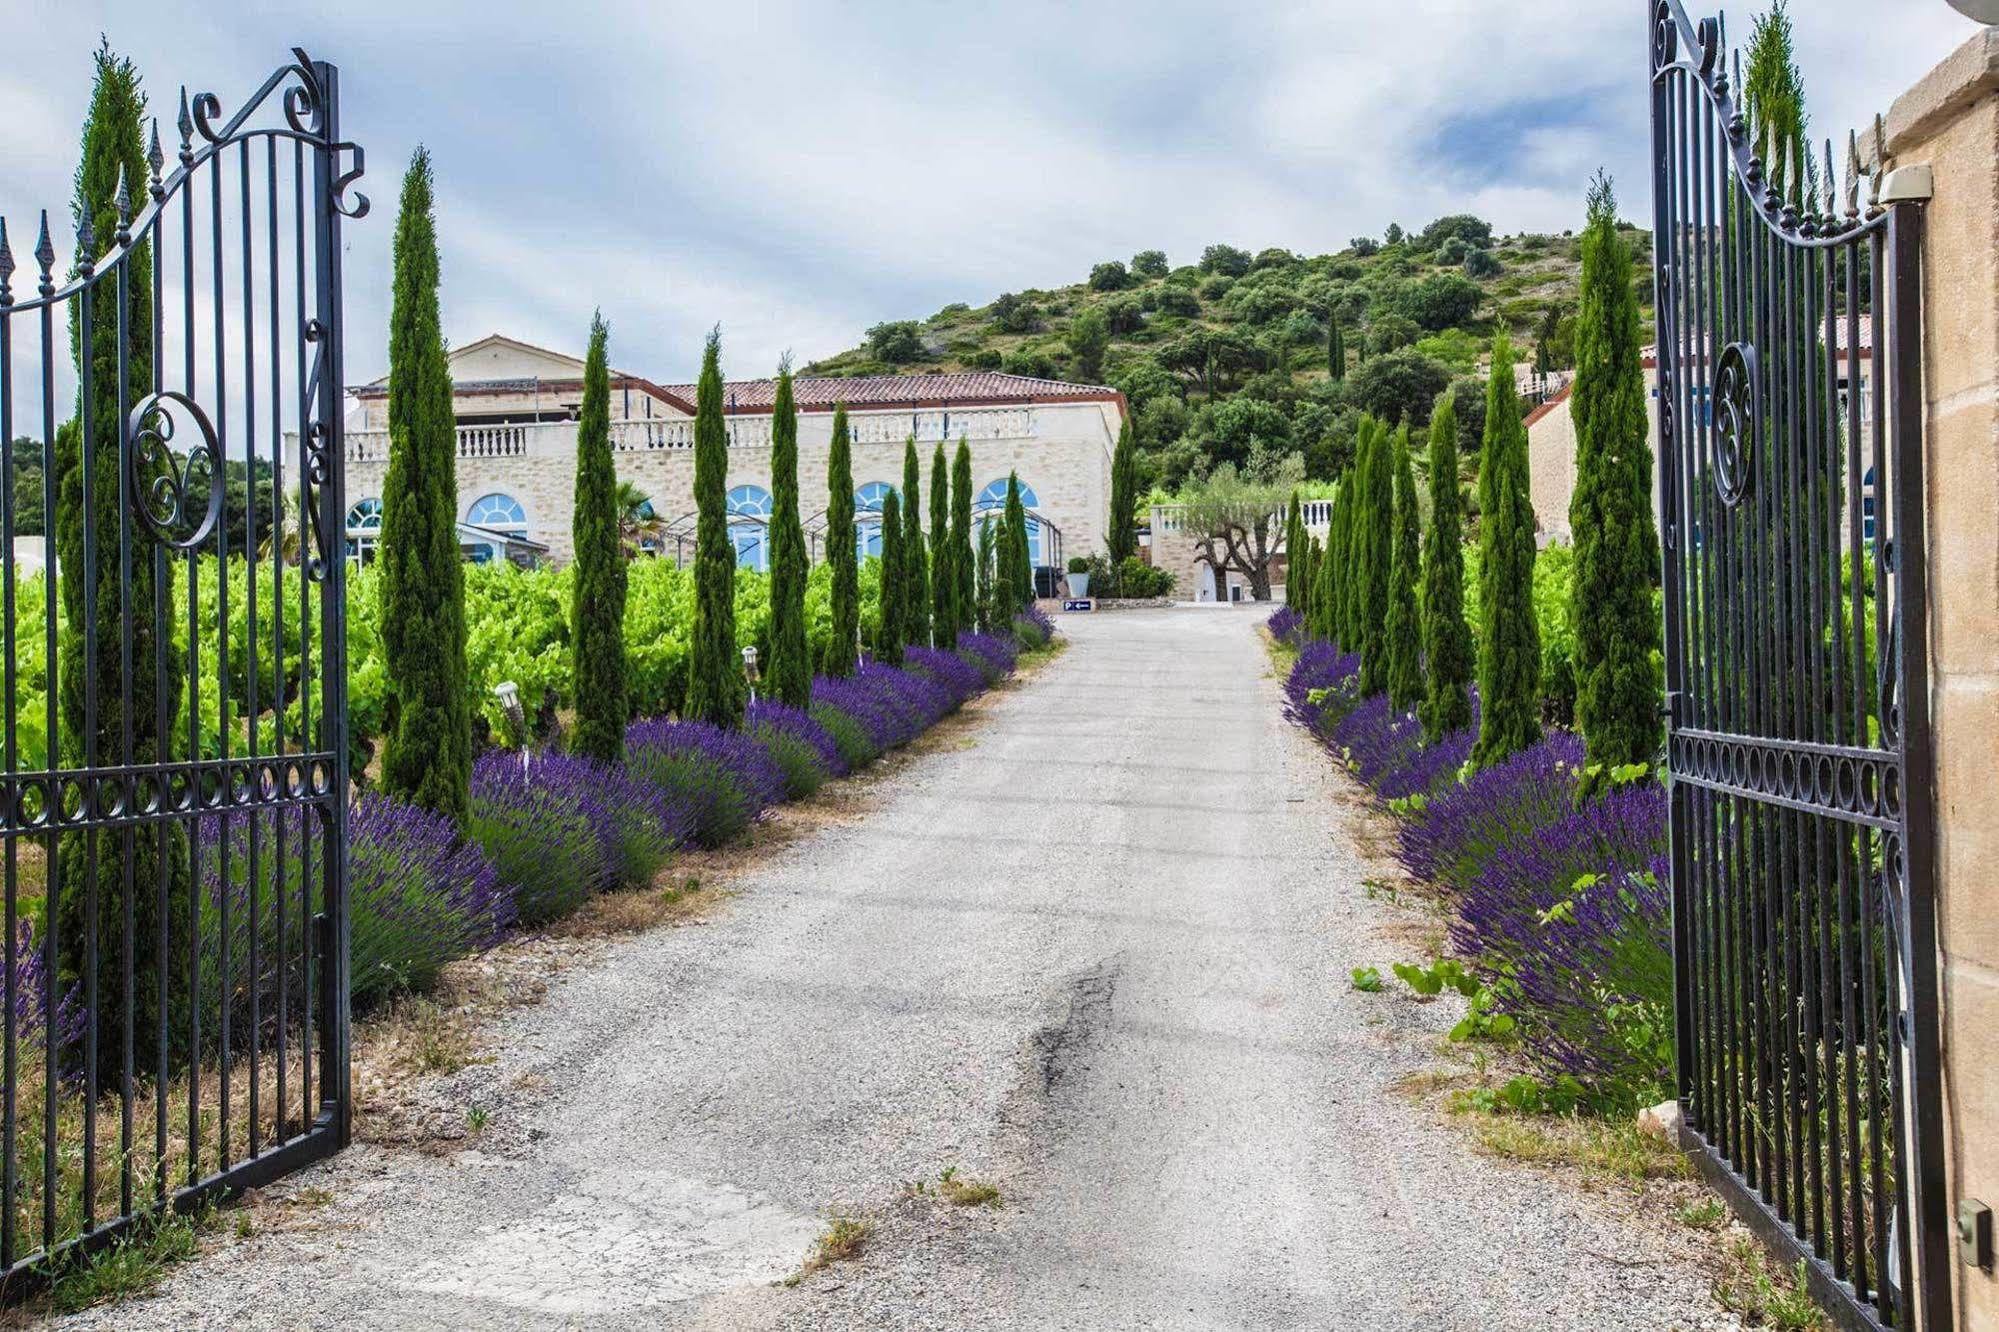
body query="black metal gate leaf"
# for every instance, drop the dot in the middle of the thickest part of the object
(173, 1016)
(1790, 406)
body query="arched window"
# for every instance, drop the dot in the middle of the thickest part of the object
(364, 530)
(496, 512)
(990, 505)
(868, 532)
(749, 507)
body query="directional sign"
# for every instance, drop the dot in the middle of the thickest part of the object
(1079, 604)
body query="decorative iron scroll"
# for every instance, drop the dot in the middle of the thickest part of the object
(160, 489)
(1737, 408)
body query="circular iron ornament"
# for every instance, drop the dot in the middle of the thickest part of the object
(1737, 410)
(160, 486)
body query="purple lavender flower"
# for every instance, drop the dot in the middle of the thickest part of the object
(994, 656)
(804, 748)
(420, 896)
(545, 830)
(29, 985)
(724, 779)
(1032, 628)
(1463, 824)
(1321, 665)
(958, 677)
(1284, 625)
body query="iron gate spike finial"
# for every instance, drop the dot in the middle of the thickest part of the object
(45, 255)
(86, 242)
(186, 125)
(155, 159)
(122, 197)
(6, 266)
(1852, 174)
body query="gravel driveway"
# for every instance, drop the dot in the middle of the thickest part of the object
(1097, 955)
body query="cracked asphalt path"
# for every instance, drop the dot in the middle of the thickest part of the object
(1096, 954)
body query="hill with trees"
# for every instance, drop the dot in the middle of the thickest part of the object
(1244, 355)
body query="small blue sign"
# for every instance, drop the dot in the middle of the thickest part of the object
(1079, 604)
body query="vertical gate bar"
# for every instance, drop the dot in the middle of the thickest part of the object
(1877, 979)
(254, 784)
(1796, 493)
(334, 1081)
(127, 756)
(164, 827)
(1825, 605)
(195, 778)
(1686, 911)
(1763, 1145)
(88, 807)
(277, 520)
(303, 740)
(1929, 1203)
(9, 1177)
(52, 800)
(1718, 605)
(225, 786)
(1850, 618)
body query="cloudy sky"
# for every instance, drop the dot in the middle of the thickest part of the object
(798, 171)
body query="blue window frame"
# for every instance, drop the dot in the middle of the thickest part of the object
(868, 534)
(751, 504)
(990, 504)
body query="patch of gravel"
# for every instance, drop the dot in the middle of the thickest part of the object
(1095, 951)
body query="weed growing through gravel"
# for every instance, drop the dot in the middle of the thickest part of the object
(1603, 1150)
(477, 1117)
(966, 1191)
(1765, 1298)
(1703, 1214)
(841, 1242)
(133, 1264)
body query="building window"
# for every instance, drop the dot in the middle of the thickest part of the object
(749, 509)
(868, 532)
(364, 530)
(990, 507)
(495, 513)
(1867, 506)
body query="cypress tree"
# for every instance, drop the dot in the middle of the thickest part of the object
(1342, 619)
(113, 156)
(1294, 552)
(1447, 645)
(840, 548)
(963, 558)
(427, 743)
(1375, 512)
(1123, 542)
(986, 584)
(789, 677)
(714, 672)
(916, 563)
(1327, 587)
(1402, 630)
(1336, 352)
(1616, 539)
(1018, 579)
(1509, 639)
(944, 617)
(597, 588)
(889, 638)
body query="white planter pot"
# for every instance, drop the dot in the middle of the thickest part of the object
(1079, 584)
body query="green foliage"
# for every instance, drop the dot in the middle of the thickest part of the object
(1617, 631)
(427, 747)
(944, 616)
(1296, 558)
(916, 559)
(1088, 336)
(1111, 275)
(788, 676)
(597, 584)
(892, 632)
(1465, 227)
(1226, 260)
(1367, 980)
(1447, 640)
(897, 342)
(1439, 300)
(1402, 629)
(963, 558)
(1398, 386)
(1773, 94)
(1149, 264)
(1336, 351)
(715, 688)
(841, 551)
(1016, 575)
(1509, 641)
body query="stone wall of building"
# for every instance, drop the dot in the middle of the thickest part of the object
(1950, 121)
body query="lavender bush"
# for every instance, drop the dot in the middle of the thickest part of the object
(802, 747)
(28, 982)
(1284, 625)
(1321, 666)
(992, 655)
(871, 698)
(420, 896)
(546, 832)
(851, 736)
(1464, 824)
(959, 678)
(724, 779)
(1032, 628)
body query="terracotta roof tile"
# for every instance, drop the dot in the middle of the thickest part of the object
(980, 387)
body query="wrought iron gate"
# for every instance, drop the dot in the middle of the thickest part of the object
(1790, 410)
(173, 1019)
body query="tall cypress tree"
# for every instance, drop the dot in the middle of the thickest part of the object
(1336, 352)
(963, 557)
(1327, 587)
(1509, 639)
(597, 587)
(1616, 538)
(915, 560)
(841, 551)
(715, 685)
(1017, 578)
(113, 157)
(944, 618)
(789, 678)
(1123, 541)
(1447, 645)
(427, 743)
(1402, 630)
(1294, 553)
(1376, 509)
(985, 587)
(891, 635)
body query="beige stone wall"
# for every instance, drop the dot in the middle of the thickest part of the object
(1551, 465)
(1065, 457)
(1951, 122)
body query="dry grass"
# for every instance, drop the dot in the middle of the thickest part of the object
(1765, 1296)
(967, 1191)
(1601, 1151)
(841, 1242)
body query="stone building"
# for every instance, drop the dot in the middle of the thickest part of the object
(516, 408)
